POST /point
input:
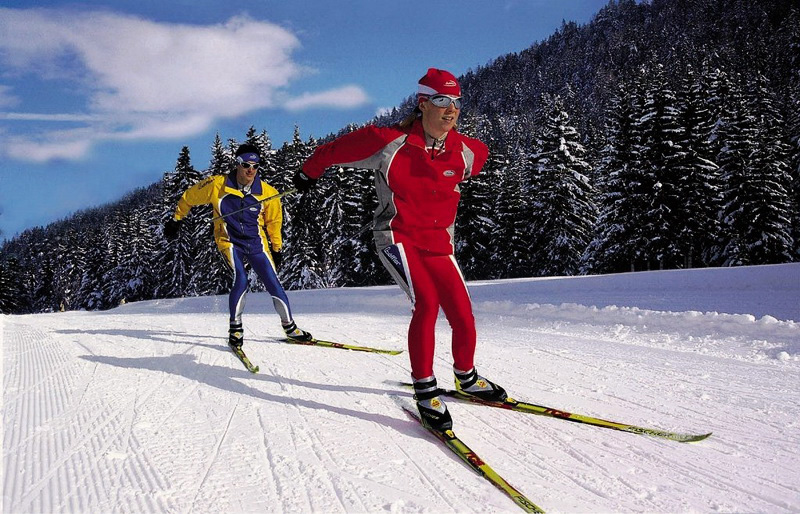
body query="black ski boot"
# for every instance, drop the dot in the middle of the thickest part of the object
(432, 409)
(235, 335)
(472, 384)
(294, 333)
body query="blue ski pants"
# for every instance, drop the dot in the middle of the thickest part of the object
(262, 264)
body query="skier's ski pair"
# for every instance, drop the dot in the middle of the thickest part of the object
(458, 447)
(237, 350)
(541, 410)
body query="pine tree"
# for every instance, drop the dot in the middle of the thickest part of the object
(211, 274)
(116, 236)
(95, 260)
(352, 249)
(12, 296)
(176, 256)
(792, 101)
(510, 247)
(563, 208)
(476, 221)
(267, 168)
(134, 248)
(697, 178)
(794, 164)
(771, 160)
(304, 223)
(40, 257)
(221, 159)
(737, 132)
(333, 215)
(756, 209)
(69, 262)
(658, 155)
(8, 303)
(614, 246)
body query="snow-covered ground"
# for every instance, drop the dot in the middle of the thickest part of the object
(144, 409)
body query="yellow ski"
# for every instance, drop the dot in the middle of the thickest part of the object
(331, 344)
(457, 446)
(541, 410)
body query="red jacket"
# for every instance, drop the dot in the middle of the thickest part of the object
(417, 194)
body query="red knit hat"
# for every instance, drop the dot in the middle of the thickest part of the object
(439, 82)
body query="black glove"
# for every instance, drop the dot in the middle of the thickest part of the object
(171, 229)
(303, 182)
(277, 258)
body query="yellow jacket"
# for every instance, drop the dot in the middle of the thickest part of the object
(252, 229)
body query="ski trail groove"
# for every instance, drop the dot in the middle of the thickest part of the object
(214, 455)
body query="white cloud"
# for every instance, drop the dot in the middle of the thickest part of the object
(342, 98)
(37, 151)
(155, 79)
(35, 116)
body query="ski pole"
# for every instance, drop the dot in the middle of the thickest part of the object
(370, 225)
(273, 197)
(363, 229)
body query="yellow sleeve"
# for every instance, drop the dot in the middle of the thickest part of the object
(199, 194)
(272, 218)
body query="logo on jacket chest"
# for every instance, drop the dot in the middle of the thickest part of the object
(449, 173)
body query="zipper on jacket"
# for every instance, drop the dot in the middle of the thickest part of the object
(434, 150)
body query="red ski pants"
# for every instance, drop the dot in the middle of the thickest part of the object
(432, 281)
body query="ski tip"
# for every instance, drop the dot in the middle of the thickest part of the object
(399, 383)
(696, 438)
(407, 405)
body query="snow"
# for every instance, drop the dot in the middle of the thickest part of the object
(143, 409)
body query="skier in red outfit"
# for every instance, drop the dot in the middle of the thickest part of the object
(419, 165)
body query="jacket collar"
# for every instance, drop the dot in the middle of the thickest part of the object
(230, 183)
(416, 136)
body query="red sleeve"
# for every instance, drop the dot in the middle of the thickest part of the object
(354, 149)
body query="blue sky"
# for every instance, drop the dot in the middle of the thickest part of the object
(98, 97)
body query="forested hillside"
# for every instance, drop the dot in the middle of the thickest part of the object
(660, 135)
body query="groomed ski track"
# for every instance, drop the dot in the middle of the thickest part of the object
(144, 408)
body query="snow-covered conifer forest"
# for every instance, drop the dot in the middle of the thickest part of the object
(661, 135)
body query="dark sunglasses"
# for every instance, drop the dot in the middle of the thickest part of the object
(247, 165)
(445, 101)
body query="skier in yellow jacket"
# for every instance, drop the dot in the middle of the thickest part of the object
(247, 228)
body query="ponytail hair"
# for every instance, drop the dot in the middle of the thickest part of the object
(409, 120)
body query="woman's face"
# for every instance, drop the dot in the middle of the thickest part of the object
(437, 121)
